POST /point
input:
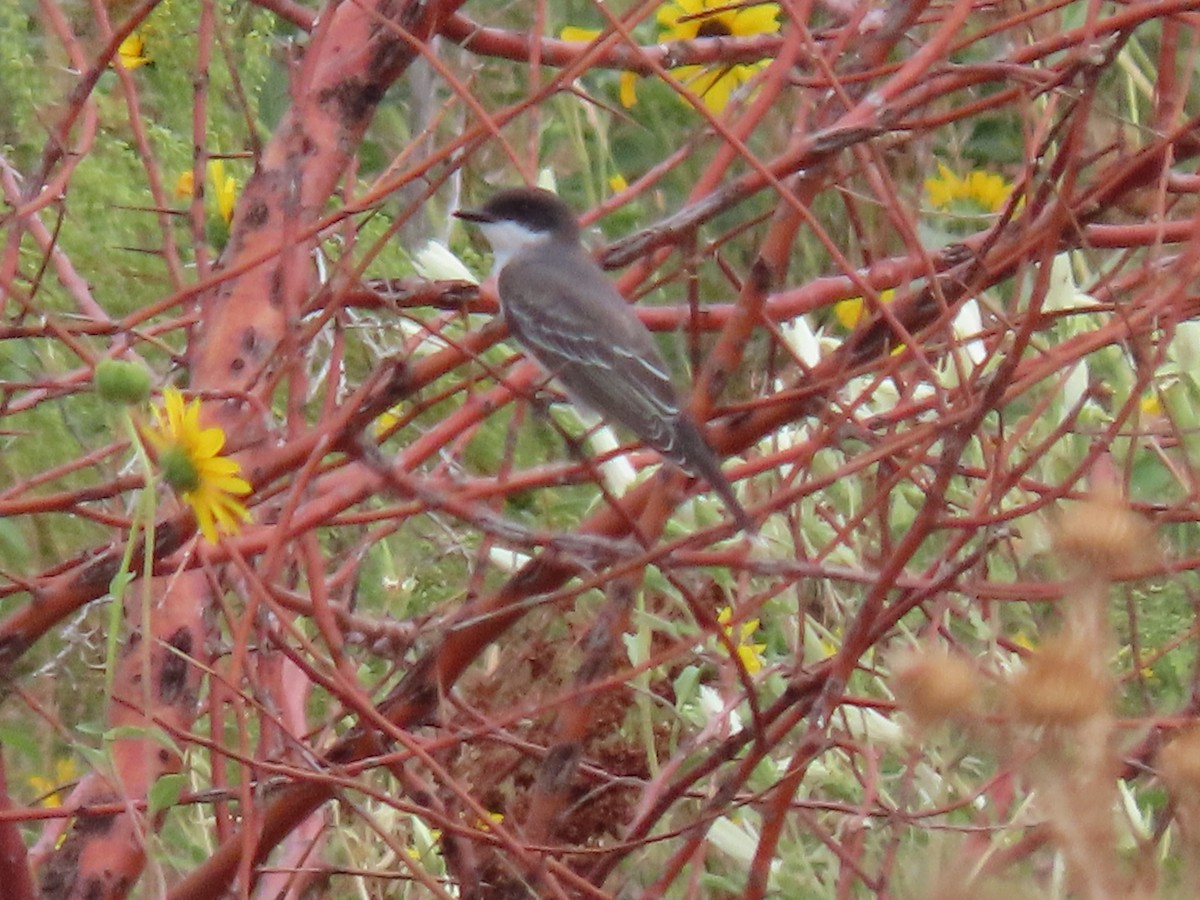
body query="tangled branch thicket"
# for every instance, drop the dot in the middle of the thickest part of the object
(932, 270)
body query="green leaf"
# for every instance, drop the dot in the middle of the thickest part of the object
(685, 686)
(165, 792)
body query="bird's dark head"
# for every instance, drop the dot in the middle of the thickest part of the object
(522, 217)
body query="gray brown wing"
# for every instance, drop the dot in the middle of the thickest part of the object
(581, 330)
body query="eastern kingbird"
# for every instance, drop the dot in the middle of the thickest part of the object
(563, 310)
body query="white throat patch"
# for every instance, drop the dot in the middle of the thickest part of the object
(508, 239)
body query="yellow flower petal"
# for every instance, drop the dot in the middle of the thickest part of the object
(668, 18)
(749, 654)
(579, 35)
(204, 519)
(385, 423)
(692, 77)
(988, 189)
(721, 88)
(942, 188)
(225, 188)
(216, 170)
(227, 199)
(52, 789)
(185, 185)
(849, 312)
(986, 192)
(670, 14)
(220, 467)
(207, 442)
(681, 19)
(229, 513)
(628, 91)
(131, 52)
(712, 86)
(761, 19)
(230, 484)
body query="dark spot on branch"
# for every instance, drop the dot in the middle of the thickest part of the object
(172, 682)
(98, 574)
(61, 870)
(96, 825)
(387, 55)
(256, 216)
(738, 419)
(275, 292)
(400, 383)
(11, 648)
(354, 99)
(760, 276)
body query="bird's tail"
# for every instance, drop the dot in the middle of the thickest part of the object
(693, 454)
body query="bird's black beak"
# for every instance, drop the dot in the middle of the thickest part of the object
(473, 215)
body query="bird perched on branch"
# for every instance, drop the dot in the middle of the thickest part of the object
(566, 313)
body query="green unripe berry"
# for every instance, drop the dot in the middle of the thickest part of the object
(118, 381)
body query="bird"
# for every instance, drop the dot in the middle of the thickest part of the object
(564, 311)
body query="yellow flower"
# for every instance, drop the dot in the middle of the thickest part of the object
(979, 192)
(1150, 405)
(749, 653)
(493, 818)
(628, 84)
(185, 185)
(1024, 641)
(430, 845)
(132, 52)
(617, 184)
(225, 188)
(385, 423)
(191, 462)
(51, 789)
(685, 20)
(850, 312)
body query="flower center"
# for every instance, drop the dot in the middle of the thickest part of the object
(714, 27)
(179, 469)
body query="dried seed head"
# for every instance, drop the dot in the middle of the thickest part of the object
(933, 685)
(1104, 535)
(1179, 764)
(1060, 686)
